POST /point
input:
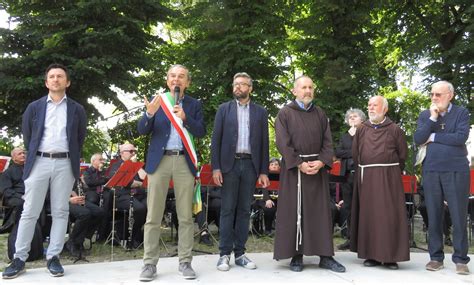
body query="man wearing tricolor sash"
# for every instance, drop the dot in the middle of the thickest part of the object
(171, 155)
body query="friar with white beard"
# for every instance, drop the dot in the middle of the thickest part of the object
(379, 232)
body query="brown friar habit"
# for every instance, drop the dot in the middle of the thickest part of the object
(303, 132)
(379, 226)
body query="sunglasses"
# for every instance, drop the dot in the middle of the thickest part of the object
(129, 150)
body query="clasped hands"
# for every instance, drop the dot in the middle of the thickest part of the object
(311, 167)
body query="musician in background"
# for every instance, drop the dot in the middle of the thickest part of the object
(211, 198)
(12, 188)
(86, 217)
(271, 197)
(131, 195)
(94, 179)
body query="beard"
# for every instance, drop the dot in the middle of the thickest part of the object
(376, 117)
(242, 95)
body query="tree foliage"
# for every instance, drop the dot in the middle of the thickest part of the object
(351, 49)
(104, 43)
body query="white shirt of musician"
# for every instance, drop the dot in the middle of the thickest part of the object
(54, 135)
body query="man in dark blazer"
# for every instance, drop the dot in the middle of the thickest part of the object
(239, 156)
(169, 158)
(54, 129)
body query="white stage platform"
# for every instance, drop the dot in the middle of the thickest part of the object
(268, 272)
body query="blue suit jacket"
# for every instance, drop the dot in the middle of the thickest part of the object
(225, 135)
(33, 128)
(160, 127)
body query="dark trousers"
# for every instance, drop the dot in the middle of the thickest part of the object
(87, 219)
(139, 213)
(237, 196)
(213, 213)
(452, 187)
(94, 197)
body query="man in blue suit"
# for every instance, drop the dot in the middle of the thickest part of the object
(239, 156)
(54, 129)
(171, 156)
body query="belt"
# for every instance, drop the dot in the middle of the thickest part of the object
(174, 152)
(242, 156)
(53, 155)
(374, 165)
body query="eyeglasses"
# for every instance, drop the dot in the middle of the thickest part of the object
(238, 84)
(437, 94)
(129, 150)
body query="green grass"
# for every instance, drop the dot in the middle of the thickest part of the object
(102, 253)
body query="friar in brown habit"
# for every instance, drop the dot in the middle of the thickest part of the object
(379, 228)
(304, 225)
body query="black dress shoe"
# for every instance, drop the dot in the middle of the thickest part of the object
(328, 262)
(204, 239)
(296, 263)
(371, 263)
(391, 265)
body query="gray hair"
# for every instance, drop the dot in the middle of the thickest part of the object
(300, 77)
(245, 75)
(358, 112)
(180, 66)
(15, 150)
(444, 82)
(384, 101)
(95, 155)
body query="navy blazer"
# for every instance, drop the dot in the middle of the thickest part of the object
(33, 127)
(160, 127)
(225, 135)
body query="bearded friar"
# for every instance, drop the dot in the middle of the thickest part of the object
(379, 232)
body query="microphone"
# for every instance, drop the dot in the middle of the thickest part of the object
(176, 95)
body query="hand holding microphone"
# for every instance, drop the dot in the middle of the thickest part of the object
(179, 112)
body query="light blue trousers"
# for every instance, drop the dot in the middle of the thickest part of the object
(56, 175)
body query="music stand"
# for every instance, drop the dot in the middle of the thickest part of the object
(121, 178)
(205, 176)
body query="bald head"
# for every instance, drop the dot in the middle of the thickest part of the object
(18, 155)
(127, 150)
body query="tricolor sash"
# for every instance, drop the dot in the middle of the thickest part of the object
(167, 103)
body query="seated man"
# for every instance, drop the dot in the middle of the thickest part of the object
(86, 216)
(133, 195)
(211, 198)
(12, 188)
(271, 197)
(94, 179)
(336, 206)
